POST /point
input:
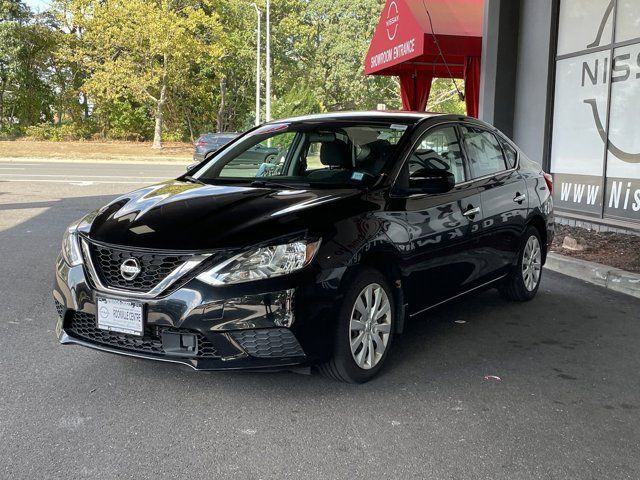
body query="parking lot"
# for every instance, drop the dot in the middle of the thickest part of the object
(476, 389)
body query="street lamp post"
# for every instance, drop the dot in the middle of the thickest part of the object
(268, 86)
(257, 66)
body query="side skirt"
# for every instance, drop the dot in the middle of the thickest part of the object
(458, 295)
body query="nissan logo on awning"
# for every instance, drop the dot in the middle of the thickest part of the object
(393, 20)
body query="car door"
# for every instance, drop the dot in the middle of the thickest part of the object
(441, 256)
(503, 198)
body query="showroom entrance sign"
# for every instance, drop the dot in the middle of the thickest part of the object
(404, 45)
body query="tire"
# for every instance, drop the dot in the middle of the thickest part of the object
(522, 284)
(376, 334)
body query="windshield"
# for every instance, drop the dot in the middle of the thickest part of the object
(330, 154)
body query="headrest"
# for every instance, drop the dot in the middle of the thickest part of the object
(335, 154)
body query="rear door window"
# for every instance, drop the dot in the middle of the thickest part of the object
(483, 151)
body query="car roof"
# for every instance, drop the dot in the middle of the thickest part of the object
(376, 115)
(391, 116)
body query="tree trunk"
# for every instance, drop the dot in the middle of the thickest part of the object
(162, 100)
(190, 128)
(157, 133)
(60, 113)
(2, 108)
(85, 105)
(223, 97)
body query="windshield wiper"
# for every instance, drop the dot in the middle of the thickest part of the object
(191, 179)
(263, 184)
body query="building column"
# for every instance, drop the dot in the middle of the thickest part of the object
(499, 63)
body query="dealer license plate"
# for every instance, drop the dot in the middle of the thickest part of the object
(121, 316)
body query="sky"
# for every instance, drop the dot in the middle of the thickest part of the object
(37, 4)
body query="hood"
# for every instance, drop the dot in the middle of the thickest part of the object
(177, 215)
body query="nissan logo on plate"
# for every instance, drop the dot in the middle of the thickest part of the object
(130, 269)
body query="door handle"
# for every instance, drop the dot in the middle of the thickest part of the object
(471, 212)
(519, 198)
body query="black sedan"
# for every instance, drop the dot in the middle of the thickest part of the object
(363, 221)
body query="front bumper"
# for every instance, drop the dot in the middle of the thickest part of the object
(244, 327)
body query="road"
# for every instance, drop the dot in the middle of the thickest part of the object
(566, 404)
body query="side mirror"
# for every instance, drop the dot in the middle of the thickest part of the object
(428, 180)
(191, 166)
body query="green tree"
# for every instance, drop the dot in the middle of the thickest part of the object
(343, 31)
(26, 47)
(137, 68)
(13, 14)
(142, 49)
(299, 100)
(444, 97)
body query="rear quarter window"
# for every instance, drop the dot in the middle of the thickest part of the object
(510, 153)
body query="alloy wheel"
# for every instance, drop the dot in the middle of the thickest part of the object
(531, 263)
(370, 326)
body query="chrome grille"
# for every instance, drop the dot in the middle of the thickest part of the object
(155, 266)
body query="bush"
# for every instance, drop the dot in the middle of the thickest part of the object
(173, 136)
(123, 120)
(61, 133)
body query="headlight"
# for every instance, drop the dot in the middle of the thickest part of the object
(70, 247)
(261, 263)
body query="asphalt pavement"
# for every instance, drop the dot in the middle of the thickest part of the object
(476, 389)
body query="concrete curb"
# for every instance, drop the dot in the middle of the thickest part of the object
(602, 275)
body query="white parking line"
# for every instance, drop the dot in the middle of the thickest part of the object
(22, 164)
(74, 182)
(11, 168)
(18, 175)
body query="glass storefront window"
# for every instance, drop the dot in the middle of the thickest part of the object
(587, 131)
(623, 156)
(627, 20)
(577, 154)
(584, 24)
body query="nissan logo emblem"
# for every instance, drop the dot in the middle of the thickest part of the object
(130, 269)
(392, 20)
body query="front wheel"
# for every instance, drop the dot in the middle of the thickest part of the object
(364, 330)
(523, 282)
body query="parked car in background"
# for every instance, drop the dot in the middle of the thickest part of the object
(363, 221)
(211, 142)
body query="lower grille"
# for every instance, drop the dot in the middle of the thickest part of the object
(84, 327)
(269, 343)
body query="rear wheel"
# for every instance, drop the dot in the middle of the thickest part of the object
(364, 330)
(523, 282)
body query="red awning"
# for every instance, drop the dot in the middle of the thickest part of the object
(404, 45)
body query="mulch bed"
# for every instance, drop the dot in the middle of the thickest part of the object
(614, 249)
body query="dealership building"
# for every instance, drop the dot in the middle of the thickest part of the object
(560, 77)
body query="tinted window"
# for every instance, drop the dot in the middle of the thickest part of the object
(483, 150)
(510, 154)
(439, 149)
